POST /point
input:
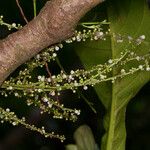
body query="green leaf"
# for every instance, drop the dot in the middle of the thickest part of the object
(71, 147)
(84, 139)
(127, 18)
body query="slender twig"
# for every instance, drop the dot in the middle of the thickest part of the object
(48, 71)
(90, 104)
(50, 75)
(21, 11)
(59, 64)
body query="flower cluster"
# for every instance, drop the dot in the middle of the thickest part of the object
(46, 55)
(8, 116)
(81, 78)
(92, 31)
(44, 91)
(9, 26)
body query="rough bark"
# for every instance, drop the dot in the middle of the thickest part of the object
(55, 22)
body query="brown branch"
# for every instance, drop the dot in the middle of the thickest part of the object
(55, 22)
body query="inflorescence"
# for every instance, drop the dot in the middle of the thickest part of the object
(9, 26)
(8, 116)
(44, 91)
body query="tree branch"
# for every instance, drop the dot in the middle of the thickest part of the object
(55, 22)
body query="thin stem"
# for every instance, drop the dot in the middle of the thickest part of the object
(59, 64)
(87, 101)
(94, 23)
(50, 75)
(21, 11)
(34, 8)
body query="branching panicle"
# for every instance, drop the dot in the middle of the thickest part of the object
(42, 90)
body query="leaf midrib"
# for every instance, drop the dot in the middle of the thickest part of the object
(110, 138)
(112, 112)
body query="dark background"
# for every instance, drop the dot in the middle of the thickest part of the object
(18, 138)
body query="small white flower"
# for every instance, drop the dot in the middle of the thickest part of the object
(148, 69)
(10, 88)
(70, 77)
(138, 58)
(53, 77)
(42, 79)
(8, 110)
(73, 38)
(102, 77)
(37, 56)
(95, 38)
(76, 84)
(77, 112)
(13, 25)
(16, 94)
(99, 34)
(56, 48)
(39, 90)
(72, 72)
(74, 91)
(39, 77)
(142, 37)
(119, 40)
(64, 76)
(132, 53)
(123, 71)
(54, 54)
(45, 99)
(141, 67)
(110, 61)
(53, 93)
(130, 38)
(14, 123)
(50, 105)
(48, 79)
(85, 87)
(78, 37)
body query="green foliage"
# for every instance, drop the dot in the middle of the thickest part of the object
(84, 139)
(129, 19)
